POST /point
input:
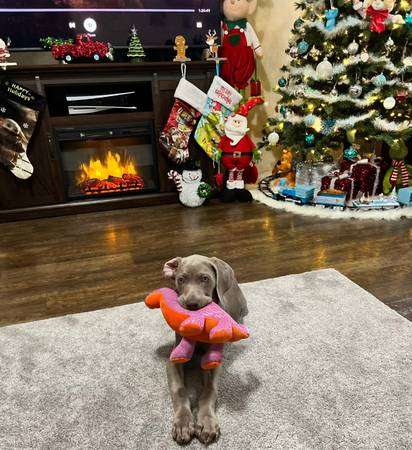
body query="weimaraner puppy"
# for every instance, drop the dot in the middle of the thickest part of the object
(200, 280)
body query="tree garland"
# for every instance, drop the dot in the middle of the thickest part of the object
(340, 28)
(345, 124)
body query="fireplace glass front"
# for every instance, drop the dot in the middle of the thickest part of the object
(108, 161)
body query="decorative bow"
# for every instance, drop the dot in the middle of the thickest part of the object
(399, 167)
(378, 18)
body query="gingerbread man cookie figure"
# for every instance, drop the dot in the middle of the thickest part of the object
(180, 47)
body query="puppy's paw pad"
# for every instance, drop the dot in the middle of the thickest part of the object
(207, 429)
(183, 429)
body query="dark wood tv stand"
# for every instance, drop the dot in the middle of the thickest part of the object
(44, 194)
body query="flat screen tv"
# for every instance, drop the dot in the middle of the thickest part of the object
(157, 21)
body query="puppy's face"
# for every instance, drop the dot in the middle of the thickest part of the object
(195, 281)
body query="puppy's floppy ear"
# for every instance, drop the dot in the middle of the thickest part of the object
(230, 296)
(169, 269)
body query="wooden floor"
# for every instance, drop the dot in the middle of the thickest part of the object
(51, 267)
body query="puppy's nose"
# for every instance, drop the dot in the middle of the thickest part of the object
(192, 306)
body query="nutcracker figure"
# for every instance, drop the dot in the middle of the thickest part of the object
(238, 153)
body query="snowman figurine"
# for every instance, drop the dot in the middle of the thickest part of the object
(192, 191)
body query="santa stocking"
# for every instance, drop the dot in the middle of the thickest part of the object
(222, 100)
(188, 106)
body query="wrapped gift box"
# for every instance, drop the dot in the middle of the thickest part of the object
(405, 196)
(360, 178)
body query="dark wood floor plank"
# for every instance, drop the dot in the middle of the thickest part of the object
(56, 266)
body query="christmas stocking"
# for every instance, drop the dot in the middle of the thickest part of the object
(222, 100)
(19, 112)
(188, 106)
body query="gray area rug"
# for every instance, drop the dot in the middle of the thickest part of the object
(327, 366)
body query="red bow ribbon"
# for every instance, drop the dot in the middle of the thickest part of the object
(378, 18)
(399, 166)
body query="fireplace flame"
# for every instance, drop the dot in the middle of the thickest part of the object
(113, 165)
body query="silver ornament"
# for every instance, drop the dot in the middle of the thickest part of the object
(294, 52)
(273, 138)
(389, 103)
(353, 48)
(355, 91)
(324, 70)
(364, 56)
(334, 92)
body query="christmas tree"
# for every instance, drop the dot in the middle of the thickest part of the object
(135, 51)
(349, 78)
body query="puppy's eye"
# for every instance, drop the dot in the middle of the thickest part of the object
(204, 279)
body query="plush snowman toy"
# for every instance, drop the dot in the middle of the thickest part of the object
(192, 191)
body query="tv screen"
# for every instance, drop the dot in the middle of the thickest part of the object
(157, 21)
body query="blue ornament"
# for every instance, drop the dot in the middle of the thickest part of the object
(298, 24)
(309, 120)
(408, 21)
(351, 154)
(282, 82)
(328, 126)
(303, 47)
(379, 80)
(331, 15)
(310, 139)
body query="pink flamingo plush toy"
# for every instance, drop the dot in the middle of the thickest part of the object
(210, 324)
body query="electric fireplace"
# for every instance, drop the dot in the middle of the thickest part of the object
(108, 161)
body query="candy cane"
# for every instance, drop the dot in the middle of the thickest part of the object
(177, 178)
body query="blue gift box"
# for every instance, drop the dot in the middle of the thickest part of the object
(305, 191)
(405, 196)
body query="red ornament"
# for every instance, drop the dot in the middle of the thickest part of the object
(402, 95)
(255, 88)
(378, 18)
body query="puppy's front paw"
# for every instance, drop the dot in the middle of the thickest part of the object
(183, 428)
(207, 429)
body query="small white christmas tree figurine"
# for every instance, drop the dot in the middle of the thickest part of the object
(135, 52)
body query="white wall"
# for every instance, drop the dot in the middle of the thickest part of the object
(273, 22)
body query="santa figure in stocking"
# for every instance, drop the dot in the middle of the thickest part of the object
(238, 154)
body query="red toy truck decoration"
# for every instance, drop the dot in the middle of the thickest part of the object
(84, 47)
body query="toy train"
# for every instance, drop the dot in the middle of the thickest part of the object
(305, 195)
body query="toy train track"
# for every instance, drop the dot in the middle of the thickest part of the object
(264, 186)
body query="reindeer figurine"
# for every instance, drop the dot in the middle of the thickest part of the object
(211, 38)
